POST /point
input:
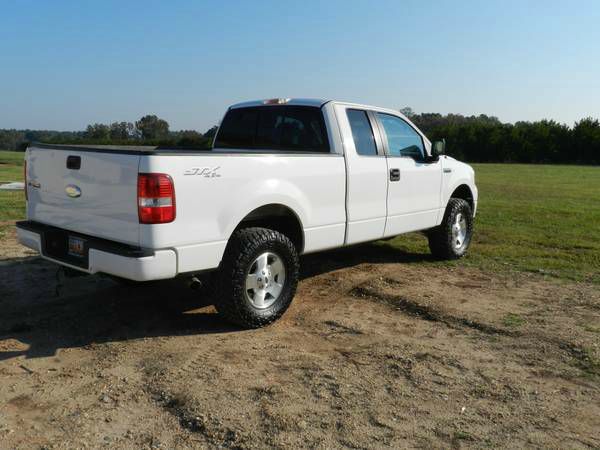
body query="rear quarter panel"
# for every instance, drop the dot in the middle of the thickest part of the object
(215, 192)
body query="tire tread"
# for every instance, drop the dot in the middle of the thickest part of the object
(229, 289)
(440, 237)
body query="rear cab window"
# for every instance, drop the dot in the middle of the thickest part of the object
(274, 128)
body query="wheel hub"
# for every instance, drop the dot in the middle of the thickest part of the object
(265, 280)
(459, 230)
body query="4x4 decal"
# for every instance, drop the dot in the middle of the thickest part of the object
(206, 172)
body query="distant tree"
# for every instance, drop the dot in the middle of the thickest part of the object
(122, 131)
(210, 133)
(191, 138)
(151, 127)
(97, 131)
(11, 139)
(478, 138)
(586, 141)
(407, 111)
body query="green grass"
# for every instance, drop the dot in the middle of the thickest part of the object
(589, 364)
(536, 218)
(14, 158)
(463, 436)
(12, 207)
(12, 203)
(11, 166)
(513, 320)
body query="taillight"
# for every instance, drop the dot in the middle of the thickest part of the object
(156, 198)
(25, 180)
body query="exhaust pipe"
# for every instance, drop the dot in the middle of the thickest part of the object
(195, 283)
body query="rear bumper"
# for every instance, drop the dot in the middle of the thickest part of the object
(103, 256)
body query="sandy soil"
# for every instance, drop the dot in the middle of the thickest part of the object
(375, 352)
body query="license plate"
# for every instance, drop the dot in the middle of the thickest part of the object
(76, 246)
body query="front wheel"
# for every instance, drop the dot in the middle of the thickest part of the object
(451, 239)
(258, 277)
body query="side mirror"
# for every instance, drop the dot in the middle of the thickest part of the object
(438, 148)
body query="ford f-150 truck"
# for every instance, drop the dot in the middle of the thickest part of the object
(284, 177)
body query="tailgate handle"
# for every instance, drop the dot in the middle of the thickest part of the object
(73, 162)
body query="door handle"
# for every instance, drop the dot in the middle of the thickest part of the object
(394, 174)
(73, 162)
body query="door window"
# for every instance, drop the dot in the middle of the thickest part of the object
(362, 133)
(403, 140)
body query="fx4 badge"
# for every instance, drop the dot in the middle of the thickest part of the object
(206, 172)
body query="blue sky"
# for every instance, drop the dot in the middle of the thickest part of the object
(64, 64)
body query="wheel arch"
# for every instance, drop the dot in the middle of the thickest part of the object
(278, 217)
(463, 191)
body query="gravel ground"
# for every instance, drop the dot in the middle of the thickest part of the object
(376, 351)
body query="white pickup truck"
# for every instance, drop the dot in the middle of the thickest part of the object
(284, 177)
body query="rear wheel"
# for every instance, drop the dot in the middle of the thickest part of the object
(451, 239)
(257, 278)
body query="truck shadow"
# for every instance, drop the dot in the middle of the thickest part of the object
(41, 313)
(371, 253)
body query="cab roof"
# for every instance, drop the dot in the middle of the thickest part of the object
(316, 102)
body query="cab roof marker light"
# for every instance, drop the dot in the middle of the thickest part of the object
(276, 101)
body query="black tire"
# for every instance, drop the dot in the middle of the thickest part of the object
(442, 240)
(231, 298)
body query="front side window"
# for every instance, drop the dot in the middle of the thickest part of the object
(362, 133)
(283, 128)
(403, 140)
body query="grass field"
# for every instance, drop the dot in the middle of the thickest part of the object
(537, 218)
(11, 166)
(12, 204)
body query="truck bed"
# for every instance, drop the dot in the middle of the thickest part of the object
(168, 150)
(121, 149)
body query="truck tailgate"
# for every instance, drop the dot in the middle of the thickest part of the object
(99, 198)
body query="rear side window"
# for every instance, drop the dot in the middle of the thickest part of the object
(362, 133)
(279, 128)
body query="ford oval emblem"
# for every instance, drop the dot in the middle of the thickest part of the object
(73, 191)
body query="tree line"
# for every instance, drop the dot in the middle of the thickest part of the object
(149, 130)
(469, 138)
(486, 139)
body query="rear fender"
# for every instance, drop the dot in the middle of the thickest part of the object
(256, 194)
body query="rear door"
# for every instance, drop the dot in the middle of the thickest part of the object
(366, 172)
(414, 186)
(88, 192)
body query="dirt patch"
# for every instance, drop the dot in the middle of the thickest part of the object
(10, 247)
(375, 352)
(417, 309)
